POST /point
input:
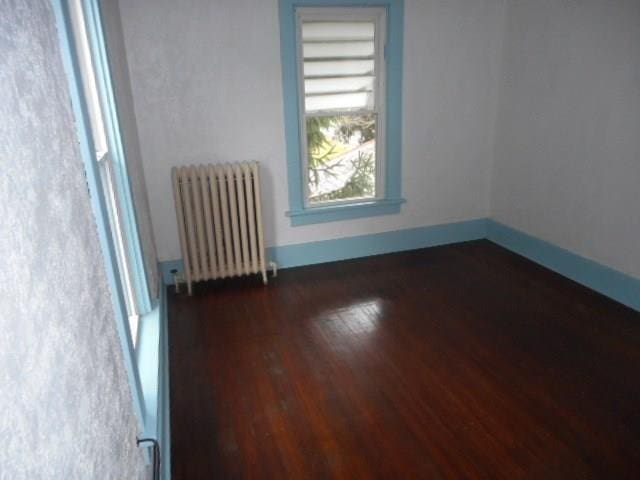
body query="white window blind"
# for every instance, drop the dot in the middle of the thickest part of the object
(339, 59)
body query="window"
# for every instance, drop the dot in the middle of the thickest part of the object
(139, 320)
(98, 122)
(341, 67)
(341, 80)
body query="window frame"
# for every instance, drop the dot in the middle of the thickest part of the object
(378, 16)
(141, 301)
(99, 113)
(141, 370)
(388, 197)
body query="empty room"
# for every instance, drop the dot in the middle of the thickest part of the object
(320, 239)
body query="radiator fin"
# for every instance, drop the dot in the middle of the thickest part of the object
(219, 216)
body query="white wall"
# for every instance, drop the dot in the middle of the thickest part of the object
(567, 166)
(65, 406)
(206, 81)
(127, 118)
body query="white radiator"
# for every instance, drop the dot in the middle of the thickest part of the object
(220, 221)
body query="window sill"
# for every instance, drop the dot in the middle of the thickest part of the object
(150, 358)
(333, 213)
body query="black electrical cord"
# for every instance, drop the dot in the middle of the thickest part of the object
(156, 455)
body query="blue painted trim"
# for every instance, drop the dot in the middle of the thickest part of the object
(167, 266)
(377, 243)
(165, 415)
(612, 283)
(102, 68)
(607, 281)
(345, 211)
(148, 353)
(291, 104)
(365, 245)
(98, 204)
(393, 104)
(152, 356)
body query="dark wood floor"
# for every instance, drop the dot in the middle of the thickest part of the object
(464, 361)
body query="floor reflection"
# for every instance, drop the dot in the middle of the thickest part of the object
(356, 321)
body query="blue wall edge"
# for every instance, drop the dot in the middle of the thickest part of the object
(614, 284)
(323, 251)
(164, 409)
(376, 244)
(167, 266)
(153, 364)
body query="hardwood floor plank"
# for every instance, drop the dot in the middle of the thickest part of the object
(462, 361)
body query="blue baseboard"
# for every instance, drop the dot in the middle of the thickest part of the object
(361, 246)
(167, 266)
(616, 285)
(607, 281)
(378, 243)
(152, 358)
(164, 409)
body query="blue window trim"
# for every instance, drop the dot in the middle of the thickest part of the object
(146, 367)
(118, 155)
(150, 361)
(345, 211)
(299, 213)
(98, 203)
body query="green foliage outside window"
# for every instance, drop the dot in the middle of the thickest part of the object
(329, 139)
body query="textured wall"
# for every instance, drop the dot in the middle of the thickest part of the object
(126, 114)
(206, 81)
(65, 407)
(567, 166)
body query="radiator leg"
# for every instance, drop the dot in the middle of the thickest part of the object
(264, 277)
(189, 289)
(274, 267)
(176, 280)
